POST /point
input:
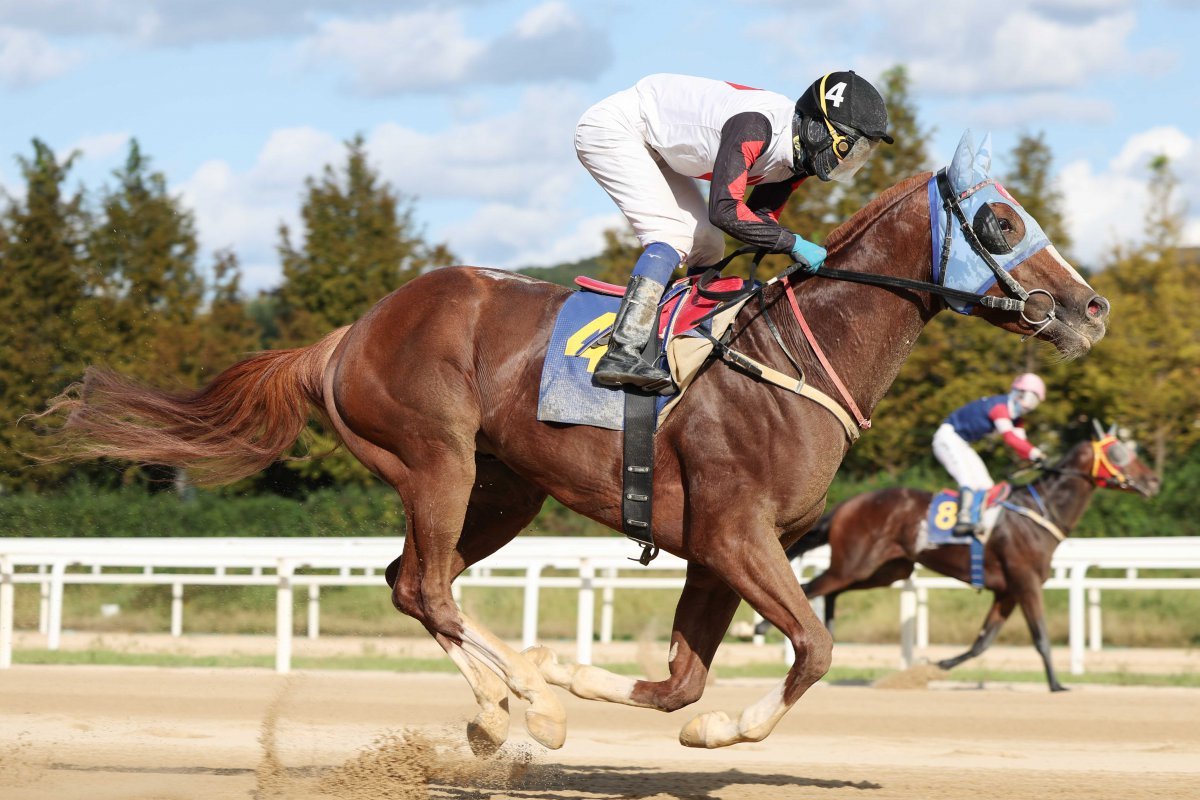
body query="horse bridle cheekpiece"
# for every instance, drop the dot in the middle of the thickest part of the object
(971, 250)
(1109, 454)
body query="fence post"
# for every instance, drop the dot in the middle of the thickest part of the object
(529, 619)
(43, 603)
(177, 609)
(606, 608)
(314, 610)
(283, 617)
(1076, 599)
(922, 618)
(6, 612)
(1095, 623)
(908, 623)
(54, 622)
(585, 624)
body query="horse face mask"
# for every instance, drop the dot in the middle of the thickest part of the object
(1008, 233)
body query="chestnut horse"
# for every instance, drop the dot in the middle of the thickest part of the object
(875, 539)
(435, 390)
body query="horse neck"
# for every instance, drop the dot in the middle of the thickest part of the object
(866, 332)
(1066, 495)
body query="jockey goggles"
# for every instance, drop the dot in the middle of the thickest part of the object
(851, 148)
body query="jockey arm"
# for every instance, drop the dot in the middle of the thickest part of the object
(744, 138)
(1013, 432)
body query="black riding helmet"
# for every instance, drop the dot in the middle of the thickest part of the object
(839, 119)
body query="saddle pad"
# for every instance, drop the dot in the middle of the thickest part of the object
(567, 392)
(943, 514)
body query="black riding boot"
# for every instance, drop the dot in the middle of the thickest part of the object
(622, 365)
(966, 525)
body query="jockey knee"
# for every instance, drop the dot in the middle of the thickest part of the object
(708, 247)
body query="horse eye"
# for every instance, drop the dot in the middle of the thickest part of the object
(989, 228)
(1119, 454)
(1005, 225)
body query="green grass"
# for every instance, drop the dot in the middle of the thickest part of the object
(837, 675)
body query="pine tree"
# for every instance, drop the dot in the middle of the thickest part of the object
(359, 244)
(48, 315)
(145, 246)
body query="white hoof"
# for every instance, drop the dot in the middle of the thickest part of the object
(489, 730)
(548, 730)
(709, 730)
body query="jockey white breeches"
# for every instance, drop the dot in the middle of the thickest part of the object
(660, 204)
(960, 459)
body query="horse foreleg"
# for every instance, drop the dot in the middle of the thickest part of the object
(1002, 606)
(1031, 607)
(702, 615)
(761, 574)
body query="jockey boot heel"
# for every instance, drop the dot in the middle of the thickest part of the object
(622, 364)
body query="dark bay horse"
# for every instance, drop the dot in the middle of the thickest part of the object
(875, 539)
(435, 390)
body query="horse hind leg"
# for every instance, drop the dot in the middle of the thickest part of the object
(702, 615)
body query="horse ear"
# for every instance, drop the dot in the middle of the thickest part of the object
(982, 164)
(1098, 428)
(1112, 429)
(964, 159)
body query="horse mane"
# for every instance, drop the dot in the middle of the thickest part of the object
(865, 216)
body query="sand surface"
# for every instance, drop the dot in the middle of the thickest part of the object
(130, 733)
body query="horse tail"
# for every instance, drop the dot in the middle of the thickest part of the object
(238, 424)
(817, 535)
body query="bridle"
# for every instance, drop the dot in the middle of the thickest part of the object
(952, 203)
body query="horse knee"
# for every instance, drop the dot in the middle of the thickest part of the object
(814, 652)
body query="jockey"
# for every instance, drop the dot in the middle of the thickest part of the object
(1003, 414)
(648, 145)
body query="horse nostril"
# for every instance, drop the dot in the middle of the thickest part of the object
(1098, 308)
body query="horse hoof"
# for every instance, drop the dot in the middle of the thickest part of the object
(709, 730)
(1058, 687)
(546, 729)
(488, 731)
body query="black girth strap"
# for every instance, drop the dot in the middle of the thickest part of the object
(637, 469)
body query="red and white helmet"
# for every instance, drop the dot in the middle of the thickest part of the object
(1028, 382)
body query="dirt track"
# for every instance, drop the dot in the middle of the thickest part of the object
(100, 732)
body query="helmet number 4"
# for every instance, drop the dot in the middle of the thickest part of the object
(834, 95)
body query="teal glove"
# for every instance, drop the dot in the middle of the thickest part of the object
(811, 254)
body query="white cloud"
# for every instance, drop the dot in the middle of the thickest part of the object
(1107, 207)
(98, 147)
(27, 58)
(509, 236)
(430, 50)
(1039, 109)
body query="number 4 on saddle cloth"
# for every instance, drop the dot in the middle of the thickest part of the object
(568, 393)
(938, 529)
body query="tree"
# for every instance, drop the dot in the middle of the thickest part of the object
(51, 327)
(1146, 372)
(359, 244)
(144, 245)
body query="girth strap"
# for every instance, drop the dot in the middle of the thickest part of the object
(637, 468)
(1029, 513)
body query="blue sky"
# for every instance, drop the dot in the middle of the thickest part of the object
(469, 106)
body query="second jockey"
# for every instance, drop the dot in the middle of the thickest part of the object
(649, 144)
(1001, 414)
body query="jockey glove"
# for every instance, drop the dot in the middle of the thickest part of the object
(806, 251)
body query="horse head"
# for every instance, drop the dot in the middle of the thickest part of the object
(990, 245)
(1110, 460)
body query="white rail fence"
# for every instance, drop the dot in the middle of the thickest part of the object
(586, 565)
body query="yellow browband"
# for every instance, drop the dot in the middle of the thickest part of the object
(1100, 459)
